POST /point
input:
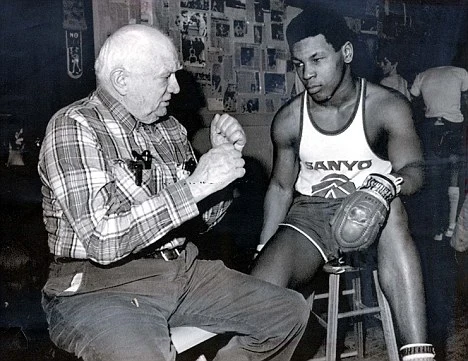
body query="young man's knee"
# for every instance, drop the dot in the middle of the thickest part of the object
(297, 307)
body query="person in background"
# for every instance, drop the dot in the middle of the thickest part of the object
(459, 240)
(388, 63)
(326, 163)
(122, 196)
(442, 131)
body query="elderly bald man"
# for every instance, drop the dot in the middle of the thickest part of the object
(122, 195)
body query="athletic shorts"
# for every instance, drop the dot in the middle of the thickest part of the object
(311, 217)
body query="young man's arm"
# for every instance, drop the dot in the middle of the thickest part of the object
(404, 146)
(284, 135)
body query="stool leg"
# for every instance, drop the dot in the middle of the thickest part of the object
(332, 321)
(358, 325)
(387, 323)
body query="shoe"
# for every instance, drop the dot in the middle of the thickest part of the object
(439, 237)
(449, 231)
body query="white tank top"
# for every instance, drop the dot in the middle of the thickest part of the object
(334, 164)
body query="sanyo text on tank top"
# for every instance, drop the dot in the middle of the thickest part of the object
(333, 165)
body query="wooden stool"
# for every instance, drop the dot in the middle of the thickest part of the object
(358, 309)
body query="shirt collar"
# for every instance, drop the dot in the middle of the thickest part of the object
(118, 111)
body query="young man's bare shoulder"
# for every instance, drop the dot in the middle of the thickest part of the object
(287, 120)
(381, 98)
(290, 111)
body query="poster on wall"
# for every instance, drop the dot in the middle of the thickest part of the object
(74, 23)
(74, 54)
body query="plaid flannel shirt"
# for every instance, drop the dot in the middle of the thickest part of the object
(92, 206)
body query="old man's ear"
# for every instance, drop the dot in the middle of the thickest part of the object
(118, 79)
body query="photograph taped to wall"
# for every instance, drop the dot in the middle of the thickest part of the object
(248, 81)
(221, 27)
(247, 56)
(193, 51)
(270, 59)
(276, 60)
(195, 4)
(275, 83)
(214, 56)
(216, 85)
(192, 23)
(236, 4)
(277, 31)
(277, 16)
(240, 28)
(249, 105)
(259, 18)
(202, 75)
(220, 34)
(146, 12)
(230, 98)
(217, 6)
(258, 34)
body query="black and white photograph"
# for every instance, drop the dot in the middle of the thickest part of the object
(275, 83)
(247, 56)
(277, 31)
(195, 4)
(193, 51)
(236, 4)
(240, 28)
(210, 180)
(258, 34)
(249, 105)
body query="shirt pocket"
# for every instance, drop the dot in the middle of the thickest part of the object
(164, 174)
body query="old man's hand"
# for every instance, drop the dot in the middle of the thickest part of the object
(226, 129)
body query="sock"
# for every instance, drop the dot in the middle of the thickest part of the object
(454, 196)
(417, 352)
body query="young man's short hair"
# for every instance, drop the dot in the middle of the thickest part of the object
(315, 20)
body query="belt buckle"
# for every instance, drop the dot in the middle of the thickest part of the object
(170, 254)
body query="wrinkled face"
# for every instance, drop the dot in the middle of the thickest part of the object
(149, 90)
(318, 66)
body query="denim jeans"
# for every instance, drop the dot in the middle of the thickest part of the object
(131, 320)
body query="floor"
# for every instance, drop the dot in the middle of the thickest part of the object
(23, 331)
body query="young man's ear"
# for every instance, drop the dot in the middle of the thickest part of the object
(348, 52)
(118, 78)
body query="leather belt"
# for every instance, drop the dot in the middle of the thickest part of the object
(68, 260)
(168, 254)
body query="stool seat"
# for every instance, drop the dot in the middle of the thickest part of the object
(186, 337)
(357, 309)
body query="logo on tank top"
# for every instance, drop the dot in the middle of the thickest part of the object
(339, 165)
(333, 186)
